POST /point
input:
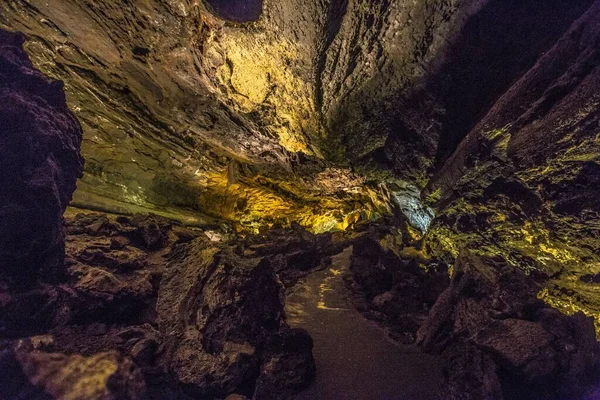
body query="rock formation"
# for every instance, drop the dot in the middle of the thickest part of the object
(496, 337)
(522, 184)
(232, 147)
(228, 330)
(40, 164)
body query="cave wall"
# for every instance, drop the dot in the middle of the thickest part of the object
(190, 115)
(404, 82)
(193, 116)
(305, 114)
(39, 165)
(523, 183)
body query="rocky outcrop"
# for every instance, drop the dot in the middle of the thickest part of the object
(523, 183)
(295, 253)
(210, 322)
(108, 280)
(39, 166)
(393, 284)
(223, 324)
(40, 375)
(497, 340)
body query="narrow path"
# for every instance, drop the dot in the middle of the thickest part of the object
(355, 360)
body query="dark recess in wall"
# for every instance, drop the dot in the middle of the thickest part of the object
(237, 10)
(495, 48)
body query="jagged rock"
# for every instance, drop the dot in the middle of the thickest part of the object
(152, 231)
(143, 343)
(470, 373)
(39, 165)
(106, 296)
(184, 110)
(35, 311)
(521, 346)
(490, 317)
(296, 252)
(103, 284)
(39, 375)
(288, 365)
(95, 295)
(229, 311)
(123, 259)
(523, 184)
(91, 224)
(373, 267)
(393, 290)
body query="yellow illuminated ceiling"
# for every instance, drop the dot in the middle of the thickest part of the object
(257, 72)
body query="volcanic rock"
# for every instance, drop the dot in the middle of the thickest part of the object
(489, 323)
(39, 165)
(40, 375)
(229, 321)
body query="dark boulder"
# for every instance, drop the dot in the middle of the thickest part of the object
(223, 324)
(393, 284)
(288, 365)
(490, 327)
(39, 166)
(39, 375)
(296, 252)
(152, 231)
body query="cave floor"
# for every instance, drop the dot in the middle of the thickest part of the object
(354, 357)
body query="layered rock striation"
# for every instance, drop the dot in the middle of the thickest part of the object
(188, 113)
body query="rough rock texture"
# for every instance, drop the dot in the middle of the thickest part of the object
(497, 340)
(186, 114)
(223, 324)
(314, 113)
(393, 283)
(523, 184)
(195, 316)
(39, 166)
(40, 375)
(109, 281)
(295, 253)
(308, 112)
(294, 113)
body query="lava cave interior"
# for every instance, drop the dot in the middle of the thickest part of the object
(299, 199)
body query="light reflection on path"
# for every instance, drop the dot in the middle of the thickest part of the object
(355, 360)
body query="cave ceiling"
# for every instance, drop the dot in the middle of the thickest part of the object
(329, 112)
(194, 110)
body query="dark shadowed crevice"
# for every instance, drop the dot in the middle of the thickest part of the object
(492, 52)
(237, 10)
(335, 15)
